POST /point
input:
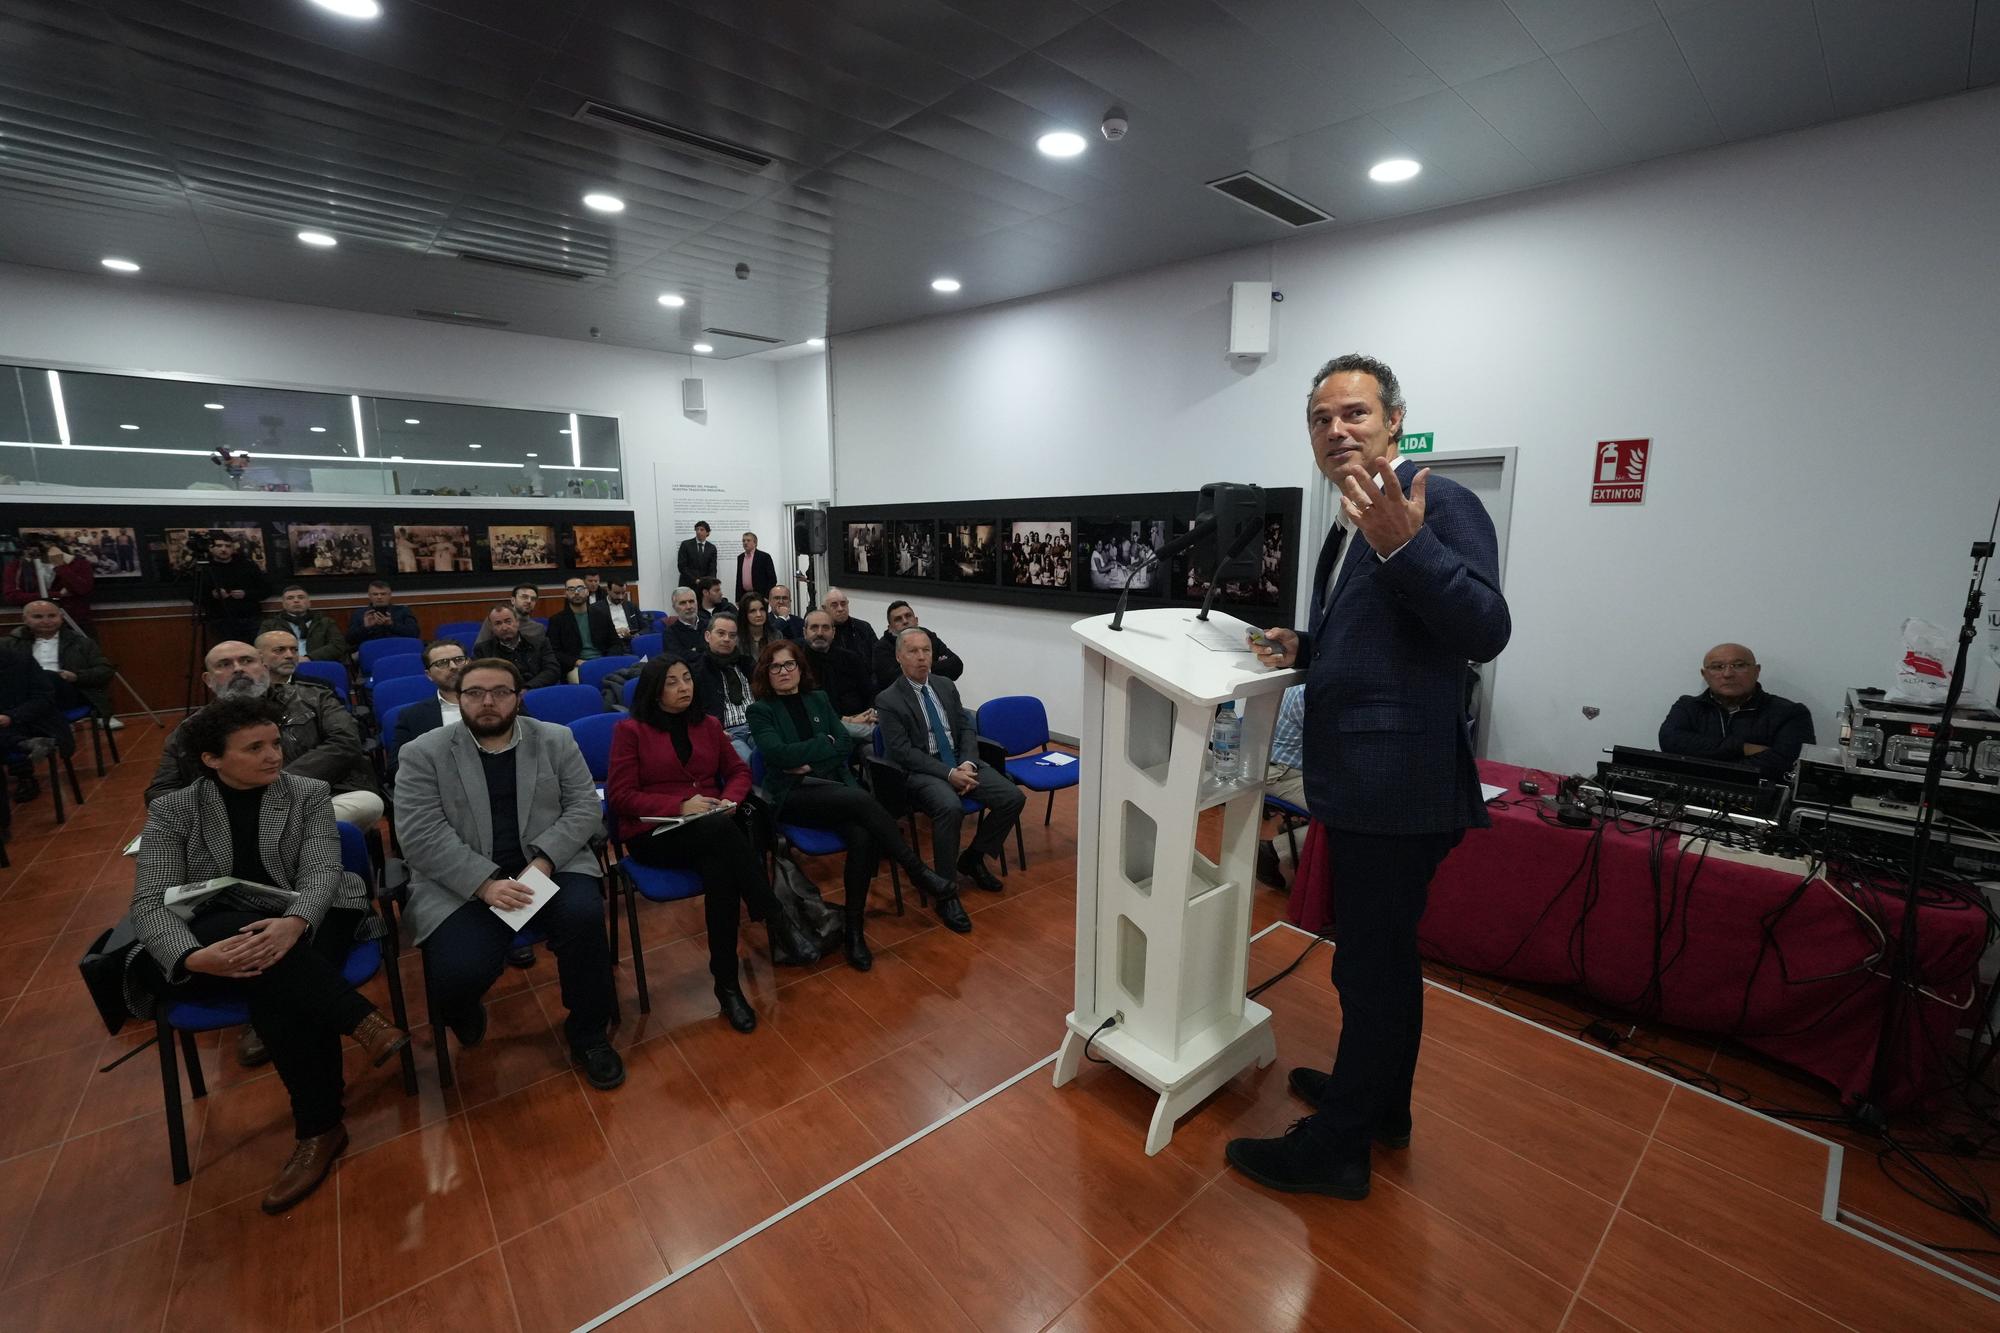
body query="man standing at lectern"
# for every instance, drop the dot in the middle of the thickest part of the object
(1406, 593)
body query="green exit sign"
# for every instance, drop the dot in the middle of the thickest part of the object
(1422, 442)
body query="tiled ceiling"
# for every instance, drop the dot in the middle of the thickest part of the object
(196, 137)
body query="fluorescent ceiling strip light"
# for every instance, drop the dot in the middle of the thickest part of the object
(558, 467)
(360, 444)
(62, 413)
(255, 456)
(575, 445)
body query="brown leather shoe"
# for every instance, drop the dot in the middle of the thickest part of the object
(380, 1038)
(311, 1159)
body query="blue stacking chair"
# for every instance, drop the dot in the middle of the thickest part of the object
(387, 717)
(888, 781)
(395, 691)
(649, 645)
(373, 651)
(391, 666)
(333, 675)
(467, 639)
(593, 672)
(54, 752)
(1019, 726)
(100, 733)
(451, 629)
(629, 692)
(1290, 817)
(562, 703)
(815, 841)
(185, 1018)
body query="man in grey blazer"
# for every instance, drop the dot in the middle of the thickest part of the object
(931, 739)
(476, 805)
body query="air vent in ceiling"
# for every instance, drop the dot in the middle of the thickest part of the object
(522, 265)
(672, 136)
(1258, 193)
(463, 317)
(746, 337)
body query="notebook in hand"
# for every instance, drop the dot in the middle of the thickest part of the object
(185, 900)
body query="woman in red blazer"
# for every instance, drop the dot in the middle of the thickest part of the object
(669, 759)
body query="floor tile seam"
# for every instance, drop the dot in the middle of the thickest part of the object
(486, 1201)
(1466, 1228)
(339, 1248)
(861, 1193)
(1470, 1054)
(62, 1143)
(12, 1287)
(470, 1259)
(1733, 1267)
(1551, 1172)
(1616, 1208)
(718, 1101)
(41, 1191)
(853, 1173)
(1852, 1216)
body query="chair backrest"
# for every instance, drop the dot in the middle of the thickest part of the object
(593, 672)
(655, 617)
(331, 674)
(562, 703)
(399, 690)
(387, 717)
(628, 692)
(451, 629)
(391, 665)
(375, 650)
(464, 638)
(593, 737)
(1018, 722)
(649, 645)
(354, 857)
(543, 621)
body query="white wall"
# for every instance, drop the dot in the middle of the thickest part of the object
(1806, 325)
(120, 325)
(804, 439)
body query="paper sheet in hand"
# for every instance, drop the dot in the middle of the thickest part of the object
(1221, 633)
(536, 883)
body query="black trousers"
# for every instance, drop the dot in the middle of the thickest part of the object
(301, 1006)
(717, 848)
(935, 797)
(869, 829)
(1380, 886)
(465, 955)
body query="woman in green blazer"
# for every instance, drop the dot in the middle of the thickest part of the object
(805, 748)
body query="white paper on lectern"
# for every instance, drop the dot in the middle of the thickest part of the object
(536, 883)
(1223, 634)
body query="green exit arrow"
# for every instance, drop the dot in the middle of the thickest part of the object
(1422, 442)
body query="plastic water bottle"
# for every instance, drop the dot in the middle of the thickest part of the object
(1225, 745)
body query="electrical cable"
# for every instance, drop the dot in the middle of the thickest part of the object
(1289, 968)
(1097, 1059)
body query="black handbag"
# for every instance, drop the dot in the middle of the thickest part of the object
(103, 969)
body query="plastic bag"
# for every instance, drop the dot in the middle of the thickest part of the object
(1923, 671)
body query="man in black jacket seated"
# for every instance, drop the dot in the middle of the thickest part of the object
(722, 682)
(443, 660)
(533, 658)
(381, 618)
(1734, 719)
(902, 616)
(681, 634)
(851, 632)
(840, 673)
(28, 713)
(582, 630)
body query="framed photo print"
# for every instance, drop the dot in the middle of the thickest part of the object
(913, 548)
(1114, 554)
(433, 549)
(867, 548)
(184, 544)
(325, 549)
(1038, 553)
(113, 552)
(522, 546)
(602, 544)
(971, 552)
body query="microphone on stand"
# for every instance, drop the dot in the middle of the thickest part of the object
(1230, 514)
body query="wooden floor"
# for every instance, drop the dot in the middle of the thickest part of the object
(1550, 1185)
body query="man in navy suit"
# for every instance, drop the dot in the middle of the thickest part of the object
(1406, 594)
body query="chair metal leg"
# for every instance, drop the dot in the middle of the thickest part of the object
(1020, 846)
(75, 787)
(1292, 837)
(611, 910)
(638, 952)
(192, 1054)
(170, 1086)
(896, 883)
(399, 1008)
(111, 739)
(1049, 813)
(96, 745)
(55, 791)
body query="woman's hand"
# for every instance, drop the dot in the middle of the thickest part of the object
(271, 939)
(698, 805)
(801, 770)
(224, 958)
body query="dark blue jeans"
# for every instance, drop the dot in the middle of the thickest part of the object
(465, 955)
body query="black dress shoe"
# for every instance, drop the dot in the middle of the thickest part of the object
(1269, 873)
(1298, 1162)
(470, 1026)
(602, 1066)
(523, 957)
(952, 912)
(1310, 1085)
(855, 946)
(973, 866)
(736, 1009)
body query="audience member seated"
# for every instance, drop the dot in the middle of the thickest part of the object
(754, 570)
(46, 569)
(78, 671)
(755, 628)
(668, 760)
(582, 630)
(791, 626)
(524, 597)
(841, 674)
(902, 616)
(280, 653)
(932, 740)
(28, 714)
(696, 557)
(381, 618)
(857, 636)
(682, 634)
(1284, 775)
(722, 681)
(281, 959)
(593, 582)
(709, 593)
(443, 660)
(504, 638)
(234, 589)
(807, 776)
(319, 637)
(627, 620)
(1734, 719)
(476, 806)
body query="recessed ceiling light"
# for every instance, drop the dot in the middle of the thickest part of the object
(534, 455)
(318, 430)
(563, 431)
(671, 301)
(604, 203)
(395, 458)
(1395, 169)
(318, 238)
(1062, 143)
(213, 407)
(120, 265)
(815, 342)
(944, 284)
(352, 9)
(126, 425)
(703, 348)
(474, 446)
(411, 421)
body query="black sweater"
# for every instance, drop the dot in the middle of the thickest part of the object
(1699, 727)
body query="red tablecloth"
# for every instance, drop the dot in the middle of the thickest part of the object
(1516, 901)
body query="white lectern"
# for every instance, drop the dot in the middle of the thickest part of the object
(1162, 932)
